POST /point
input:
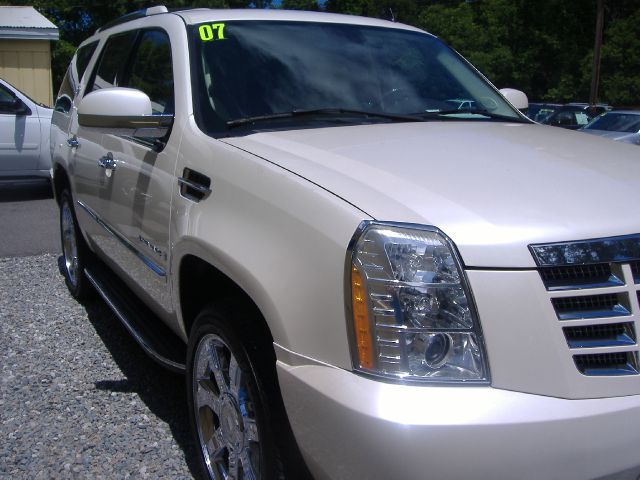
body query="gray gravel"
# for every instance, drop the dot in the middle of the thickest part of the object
(78, 397)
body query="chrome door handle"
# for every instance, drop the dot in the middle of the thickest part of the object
(73, 142)
(107, 162)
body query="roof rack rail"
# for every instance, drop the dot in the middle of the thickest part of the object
(145, 12)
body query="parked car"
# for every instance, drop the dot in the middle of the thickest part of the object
(540, 111)
(24, 136)
(620, 125)
(355, 279)
(574, 115)
(461, 103)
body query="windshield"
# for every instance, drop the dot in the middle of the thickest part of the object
(257, 69)
(616, 122)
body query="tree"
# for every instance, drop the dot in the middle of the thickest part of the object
(543, 47)
(620, 74)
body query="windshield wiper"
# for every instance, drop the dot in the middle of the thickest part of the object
(324, 112)
(470, 111)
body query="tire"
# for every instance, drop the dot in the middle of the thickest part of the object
(75, 252)
(230, 407)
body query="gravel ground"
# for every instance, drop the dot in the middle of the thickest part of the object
(78, 397)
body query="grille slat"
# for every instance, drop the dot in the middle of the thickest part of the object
(635, 269)
(579, 276)
(609, 364)
(590, 306)
(600, 335)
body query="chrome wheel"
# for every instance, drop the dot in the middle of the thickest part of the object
(69, 243)
(224, 412)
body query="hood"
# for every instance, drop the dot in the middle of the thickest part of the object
(493, 188)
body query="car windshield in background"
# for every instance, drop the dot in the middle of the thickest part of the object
(616, 122)
(261, 73)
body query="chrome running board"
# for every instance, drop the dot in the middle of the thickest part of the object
(155, 338)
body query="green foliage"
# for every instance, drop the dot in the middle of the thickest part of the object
(621, 61)
(311, 5)
(61, 53)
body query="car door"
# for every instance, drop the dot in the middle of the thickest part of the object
(93, 183)
(137, 192)
(19, 134)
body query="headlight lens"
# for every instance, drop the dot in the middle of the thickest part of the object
(412, 316)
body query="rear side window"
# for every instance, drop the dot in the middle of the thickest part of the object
(83, 56)
(111, 68)
(71, 81)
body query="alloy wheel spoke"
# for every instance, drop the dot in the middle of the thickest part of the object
(250, 430)
(215, 366)
(247, 466)
(235, 378)
(207, 398)
(234, 464)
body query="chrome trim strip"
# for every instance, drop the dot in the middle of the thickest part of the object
(625, 248)
(131, 247)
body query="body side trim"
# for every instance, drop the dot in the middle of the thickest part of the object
(146, 260)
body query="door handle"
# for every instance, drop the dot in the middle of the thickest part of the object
(73, 142)
(107, 162)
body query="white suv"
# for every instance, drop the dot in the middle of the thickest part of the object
(357, 278)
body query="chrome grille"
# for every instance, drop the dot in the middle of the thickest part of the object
(594, 289)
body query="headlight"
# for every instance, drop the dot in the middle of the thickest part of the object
(412, 313)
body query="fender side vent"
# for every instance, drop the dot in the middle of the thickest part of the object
(194, 185)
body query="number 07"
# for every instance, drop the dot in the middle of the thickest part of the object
(215, 31)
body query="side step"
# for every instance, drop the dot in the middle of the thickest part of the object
(155, 338)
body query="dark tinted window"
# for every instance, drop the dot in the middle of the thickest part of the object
(5, 95)
(617, 122)
(151, 70)
(6, 101)
(111, 67)
(255, 68)
(83, 56)
(69, 86)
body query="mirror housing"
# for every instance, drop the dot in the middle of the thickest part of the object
(516, 98)
(122, 111)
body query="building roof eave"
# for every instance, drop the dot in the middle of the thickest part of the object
(29, 33)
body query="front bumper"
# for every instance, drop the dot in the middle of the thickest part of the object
(351, 427)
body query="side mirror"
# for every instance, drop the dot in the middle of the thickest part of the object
(122, 111)
(516, 98)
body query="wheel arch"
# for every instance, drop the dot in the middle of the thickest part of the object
(60, 181)
(202, 282)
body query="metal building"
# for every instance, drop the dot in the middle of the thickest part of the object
(25, 51)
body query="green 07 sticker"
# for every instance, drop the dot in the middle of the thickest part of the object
(213, 31)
